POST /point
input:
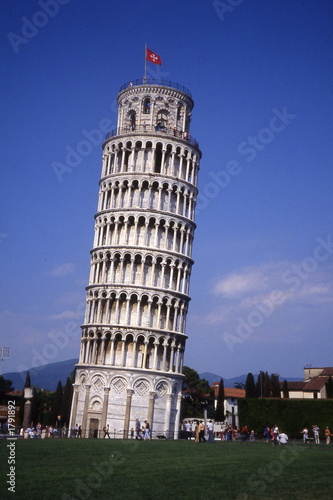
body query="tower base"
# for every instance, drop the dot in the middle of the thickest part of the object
(117, 397)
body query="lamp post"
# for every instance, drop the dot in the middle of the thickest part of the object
(4, 354)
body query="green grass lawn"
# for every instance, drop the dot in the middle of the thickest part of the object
(158, 470)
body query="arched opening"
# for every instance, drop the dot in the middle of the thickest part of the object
(158, 157)
(146, 106)
(162, 120)
(132, 119)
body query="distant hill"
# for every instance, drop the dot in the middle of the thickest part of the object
(45, 376)
(48, 376)
(228, 382)
(241, 379)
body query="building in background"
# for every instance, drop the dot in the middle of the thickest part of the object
(231, 397)
(314, 385)
(133, 336)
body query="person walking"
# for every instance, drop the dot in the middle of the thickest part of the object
(106, 432)
(147, 431)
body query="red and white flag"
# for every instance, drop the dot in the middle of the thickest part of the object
(152, 57)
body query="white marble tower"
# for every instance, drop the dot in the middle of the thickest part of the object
(133, 337)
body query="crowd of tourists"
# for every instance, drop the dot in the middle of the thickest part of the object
(43, 432)
(315, 434)
(196, 430)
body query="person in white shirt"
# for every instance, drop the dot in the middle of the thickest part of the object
(315, 430)
(305, 433)
(282, 438)
(210, 428)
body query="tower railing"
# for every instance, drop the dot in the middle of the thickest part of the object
(154, 81)
(156, 129)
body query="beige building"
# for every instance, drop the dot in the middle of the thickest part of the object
(231, 397)
(313, 386)
(133, 337)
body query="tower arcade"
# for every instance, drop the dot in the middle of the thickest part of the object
(133, 336)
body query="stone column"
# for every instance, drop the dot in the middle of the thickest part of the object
(105, 406)
(74, 408)
(150, 417)
(85, 432)
(179, 400)
(28, 394)
(168, 398)
(128, 412)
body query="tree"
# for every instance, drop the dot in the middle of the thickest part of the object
(285, 389)
(329, 388)
(27, 382)
(263, 385)
(275, 386)
(239, 385)
(250, 387)
(5, 386)
(56, 404)
(219, 414)
(65, 407)
(197, 395)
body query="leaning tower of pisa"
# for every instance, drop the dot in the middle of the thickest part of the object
(133, 336)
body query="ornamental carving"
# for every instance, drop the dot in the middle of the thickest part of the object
(141, 386)
(119, 385)
(161, 389)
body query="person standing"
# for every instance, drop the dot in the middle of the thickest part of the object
(210, 427)
(275, 434)
(202, 432)
(137, 429)
(328, 435)
(244, 433)
(267, 434)
(315, 430)
(305, 433)
(188, 430)
(196, 432)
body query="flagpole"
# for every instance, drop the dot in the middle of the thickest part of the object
(145, 73)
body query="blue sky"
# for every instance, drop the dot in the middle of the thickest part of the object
(260, 74)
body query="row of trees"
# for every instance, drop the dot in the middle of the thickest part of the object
(267, 386)
(49, 407)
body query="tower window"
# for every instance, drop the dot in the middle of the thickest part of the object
(179, 111)
(132, 120)
(146, 106)
(162, 120)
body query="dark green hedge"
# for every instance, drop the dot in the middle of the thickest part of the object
(291, 415)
